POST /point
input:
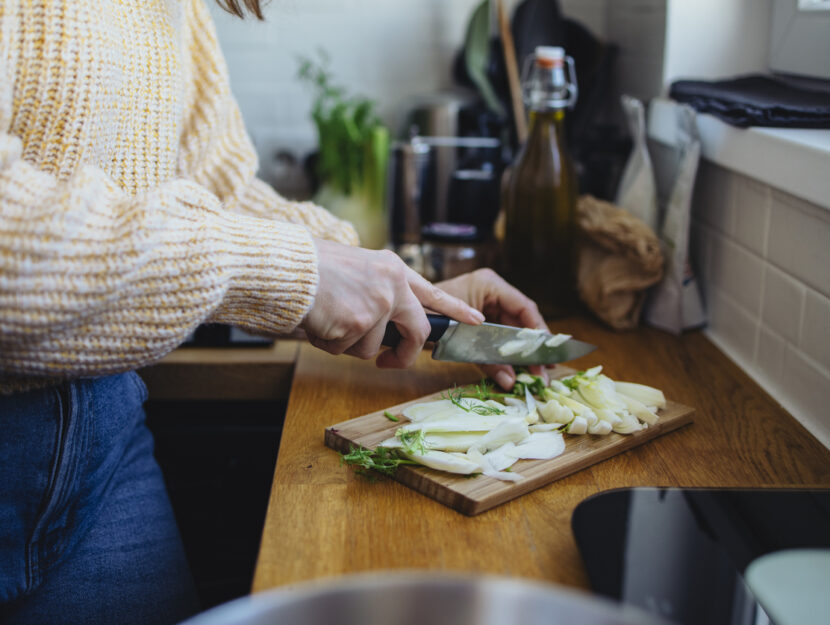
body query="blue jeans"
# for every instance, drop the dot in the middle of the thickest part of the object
(87, 534)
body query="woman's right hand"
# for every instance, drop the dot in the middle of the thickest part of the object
(360, 291)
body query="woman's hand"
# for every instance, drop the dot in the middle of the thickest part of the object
(488, 292)
(360, 291)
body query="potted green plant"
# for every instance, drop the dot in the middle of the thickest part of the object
(353, 153)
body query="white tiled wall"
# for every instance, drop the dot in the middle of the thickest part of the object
(763, 257)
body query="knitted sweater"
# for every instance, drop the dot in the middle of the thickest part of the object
(129, 207)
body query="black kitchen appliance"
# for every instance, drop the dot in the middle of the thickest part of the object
(684, 553)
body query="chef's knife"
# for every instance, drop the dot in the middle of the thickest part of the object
(480, 344)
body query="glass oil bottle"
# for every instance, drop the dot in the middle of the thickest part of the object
(539, 247)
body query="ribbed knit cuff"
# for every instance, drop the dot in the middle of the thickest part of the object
(272, 273)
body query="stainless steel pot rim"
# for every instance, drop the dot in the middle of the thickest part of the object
(384, 582)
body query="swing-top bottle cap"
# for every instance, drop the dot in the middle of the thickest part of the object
(548, 79)
(550, 55)
(550, 52)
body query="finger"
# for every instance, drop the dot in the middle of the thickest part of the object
(541, 372)
(332, 347)
(430, 296)
(520, 307)
(412, 323)
(503, 375)
(368, 346)
(504, 300)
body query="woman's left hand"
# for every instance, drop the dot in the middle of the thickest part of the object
(500, 302)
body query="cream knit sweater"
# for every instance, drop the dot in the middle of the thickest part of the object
(129, 207)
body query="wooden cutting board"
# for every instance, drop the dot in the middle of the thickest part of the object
(472, 496)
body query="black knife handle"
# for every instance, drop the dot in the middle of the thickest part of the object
(438, 324)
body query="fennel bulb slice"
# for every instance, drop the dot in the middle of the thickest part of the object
(578, 426)
(463, 423)
(442, 441)
(539, 446)
(512, 431)
(628, 425)
(440, 408)
(512, 347)
(545, 427)
(443, 461)
(500, 459)
(557, 339)
(642, 393)
(639, 409)
(552, 411)
(487, 469)
(600, 428)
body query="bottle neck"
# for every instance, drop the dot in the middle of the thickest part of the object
(546, 120)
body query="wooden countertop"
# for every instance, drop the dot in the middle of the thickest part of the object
(324, 521)
(224, 373)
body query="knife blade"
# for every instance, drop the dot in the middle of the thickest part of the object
(481, 344)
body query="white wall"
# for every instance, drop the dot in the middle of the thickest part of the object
(386, 49)
(638, 29)
(392, 50)
(713, 39)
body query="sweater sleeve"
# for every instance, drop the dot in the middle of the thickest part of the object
(95, 281)
(216, 150)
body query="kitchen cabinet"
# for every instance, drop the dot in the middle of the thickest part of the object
(216, 415)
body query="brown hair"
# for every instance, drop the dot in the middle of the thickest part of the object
(233, 6)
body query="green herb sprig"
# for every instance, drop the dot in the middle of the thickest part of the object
(413, 442)
(572, 382)
(366, 461)
(536, 387)
(455, 395)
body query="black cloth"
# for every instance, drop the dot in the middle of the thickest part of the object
(756, 100)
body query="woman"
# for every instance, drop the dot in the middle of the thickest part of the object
(129, 214)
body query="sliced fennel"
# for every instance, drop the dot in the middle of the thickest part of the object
(529, 340)
(642, 393)
(539, 446)
(426, 410)
(443, 441)
(512, 431)
(461, 423)
(557, 339)
(546, 427)
(489, 470)
(444, 461)
(476, 429)
(501, 458)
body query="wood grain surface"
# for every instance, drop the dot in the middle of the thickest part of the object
(324, 521)
(473, 496)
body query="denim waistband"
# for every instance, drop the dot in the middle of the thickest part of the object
(59, 448)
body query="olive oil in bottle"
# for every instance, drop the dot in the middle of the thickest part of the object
(539, 254)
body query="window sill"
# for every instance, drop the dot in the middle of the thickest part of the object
(794, 160)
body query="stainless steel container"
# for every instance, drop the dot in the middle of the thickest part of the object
(423, 598)
(419, 186)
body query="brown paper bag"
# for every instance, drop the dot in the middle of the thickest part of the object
(619, 258)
